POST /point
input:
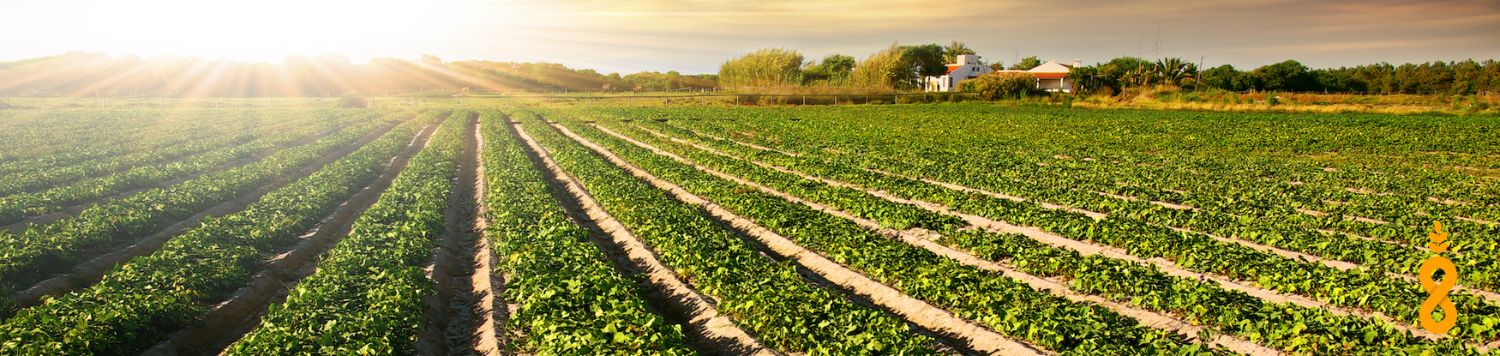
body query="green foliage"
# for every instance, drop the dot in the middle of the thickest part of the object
(1211, 173)
(1289, 76)
(768, 299)
(1174, 71)
(41, 251)
(1001, 85)
(832, 70)
(669, 81)
(1223, 77)
(888, 69)
(762, 68)
(554, 272)
(370, 289)
(927, 60)
(954, 49)
(1026, 63)
(146, 299)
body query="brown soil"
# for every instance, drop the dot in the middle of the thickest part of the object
(463, 305)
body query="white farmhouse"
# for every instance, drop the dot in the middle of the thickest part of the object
(968, 67)
(1050, 76)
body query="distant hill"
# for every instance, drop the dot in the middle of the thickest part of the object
(91, 74)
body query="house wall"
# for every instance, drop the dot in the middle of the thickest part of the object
(1054, 85)
(949, 83)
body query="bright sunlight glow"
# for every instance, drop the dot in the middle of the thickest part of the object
(264, 30)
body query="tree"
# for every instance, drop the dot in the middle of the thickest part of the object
(926, 60)
(762, 68)
(1222, 77)
(1285, 76)
(954, 49)
(1000, 85)
(1123, 72)
(1085, 79)
(1174, 71)
(1026, 63)
(833, 69)
(887, 69)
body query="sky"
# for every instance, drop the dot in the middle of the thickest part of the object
(695, 36)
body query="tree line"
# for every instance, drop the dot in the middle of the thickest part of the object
(1442, 78)
(902, 67)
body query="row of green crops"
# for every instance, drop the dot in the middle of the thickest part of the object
(161, 145)
(143, 301)
(1232, 312)
(37, 141)
(569, 299)
(1003, 304)
(1360, 289)
(224, 150)
(368, 293)
(768, 299)
(41, 251)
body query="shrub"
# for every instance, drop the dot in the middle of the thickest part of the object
(1001, 85)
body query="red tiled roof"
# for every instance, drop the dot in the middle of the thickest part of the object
(1049, 75)
(953, 68)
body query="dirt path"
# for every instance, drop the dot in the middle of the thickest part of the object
(464, 302)
(705, 322)
(229, 320)
(91, 271)
(975, 336)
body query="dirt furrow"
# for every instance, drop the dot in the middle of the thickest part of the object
(89, 272)
(924, 239)
(464, 299)
(704, 320)
(227, 321)
(484, 283)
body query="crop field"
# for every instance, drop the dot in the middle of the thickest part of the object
(516, 227)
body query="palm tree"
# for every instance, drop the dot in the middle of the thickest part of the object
(1172, 71)
(952, 50)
